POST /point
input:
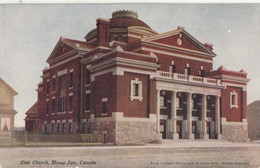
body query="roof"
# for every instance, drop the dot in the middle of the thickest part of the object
(33, 109)
(8, 86)
(76, 43)
(122, 22)
(254, 106)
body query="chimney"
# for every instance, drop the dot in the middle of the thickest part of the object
(103, 32)
(209, 46)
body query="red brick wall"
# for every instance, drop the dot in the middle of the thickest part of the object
(134, 108)
(104, 86)
(231, 114)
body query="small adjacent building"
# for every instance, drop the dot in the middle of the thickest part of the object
(253, 116)
(7, 111)
(134, 85)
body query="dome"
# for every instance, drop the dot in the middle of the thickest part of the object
(125, 18)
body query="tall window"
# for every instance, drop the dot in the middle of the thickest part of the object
(63, 127)
(71, 103)
(71, 79)
(172, 67)
(70, 127)
(62, 85)
(136, 90)
(53, 105)
(52, 127)
(53, 84)
(47, 107)
(62, 104)
(84, 127)
(58, 128)
(104, 107)
(87, 101)
(88, 77)
(233, 99)
(48, 87)
(45, 128)
(202, 72)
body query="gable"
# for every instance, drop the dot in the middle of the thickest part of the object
(61, 49)
(178, 41)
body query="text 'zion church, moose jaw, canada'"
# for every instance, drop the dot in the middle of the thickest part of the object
(134, 85)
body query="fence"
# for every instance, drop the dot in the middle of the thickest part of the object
(66, 138)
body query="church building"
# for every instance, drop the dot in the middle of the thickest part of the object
(134, 85)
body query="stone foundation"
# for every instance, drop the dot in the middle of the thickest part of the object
(125, 130)
(235, 131)
(132, 132)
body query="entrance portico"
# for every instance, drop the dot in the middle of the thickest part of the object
(190, 111)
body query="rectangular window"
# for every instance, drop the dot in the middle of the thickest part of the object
(71, 79)
(53, 84)
(47, 107)
(58, 128)
(62, 85)
(202, 73)
(48, 87)
(53, 105)
(70, 127)
(71, 103)
(104, 108)
(233, 99)
(84, 127)
(187, 71)
(62, 104)
(87, 101)
(52, 127)
(88, 77)
(63, 127)
(45, 128)
(136, 90)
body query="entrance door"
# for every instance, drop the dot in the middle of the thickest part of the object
(208, 129)
(179, 129)
(163, 128)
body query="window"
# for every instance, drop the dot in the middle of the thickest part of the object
(233, 100)
(63, 127)
(48, 87)
(53, 84)
(172, 67)
(58, 127)
(71, 79)
(45, 128)
(52, 127)
(88, 77)
(87, 101)
(187, 69)
(71, 103)
(47, 108)
(136, 90)
(104, 108)
(62, 85)
(53, 105)
(84, 127)
(202, 72)
(62, 104)
(70, 127)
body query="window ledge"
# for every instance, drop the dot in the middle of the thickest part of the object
(53, 91)
(52, 113)
(70, 112)
(87, 85)
(47, 114)
(62, 112)
(163, 107)
(136, 97)
(87, 111)
(103, 114)
(71, 87)
(234, 106)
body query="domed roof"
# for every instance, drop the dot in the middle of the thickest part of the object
(126, 18)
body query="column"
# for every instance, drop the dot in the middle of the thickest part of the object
(189, 117)
(217, 118)
(158, 111)
(204, 134)
(173, 114)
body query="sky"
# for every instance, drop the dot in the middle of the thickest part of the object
(29, 33)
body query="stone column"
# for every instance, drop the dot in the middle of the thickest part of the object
(217, 118)
(157, 111)
(190, 135)
(204, 134)
(173, 114)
